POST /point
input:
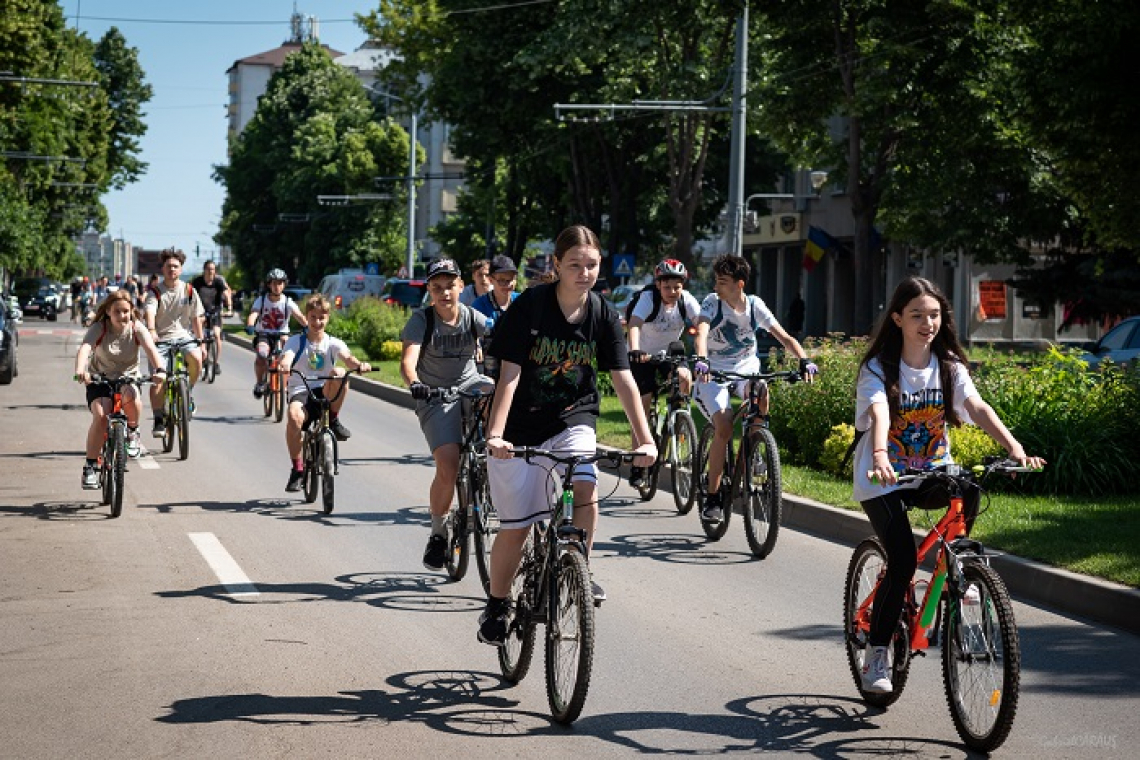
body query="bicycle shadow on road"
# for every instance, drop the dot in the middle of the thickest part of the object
(55, 407)
(411, 592)
(423, 460)
(60, 511)
(666, 547)
(295, 509)
(414, 697)
(48, 455)
(250, 419)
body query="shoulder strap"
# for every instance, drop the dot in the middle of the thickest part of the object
(851, 449)
(429, 325)
(102, 333)
(752, 314)
(655, 294)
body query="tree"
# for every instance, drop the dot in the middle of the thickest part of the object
(123, 80)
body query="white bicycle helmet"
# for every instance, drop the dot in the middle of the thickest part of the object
(670, 268)
(275, 275)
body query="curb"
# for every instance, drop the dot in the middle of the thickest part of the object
(1061, 590)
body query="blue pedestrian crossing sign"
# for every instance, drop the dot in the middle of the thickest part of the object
(372, 267)
(623, 264)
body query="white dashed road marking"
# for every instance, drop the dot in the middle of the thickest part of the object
(223, 565)
(146, 462)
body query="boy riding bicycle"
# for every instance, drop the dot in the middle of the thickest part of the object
(657, 317)
(316, 353)
(215, 294)
(726, 342)
(439, 351)
(174, 317)
(270, 313)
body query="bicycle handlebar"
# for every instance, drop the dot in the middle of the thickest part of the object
(450, 394)
(322, 378)
(118, 382)
(789, 376)
(958, 472)
(612, 457)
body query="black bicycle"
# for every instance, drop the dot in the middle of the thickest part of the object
(752, 481)
(210, 346)
(474, 518)
(552, 587)
(318, 444)
(674, 433)
(176, 402)
(113, 457)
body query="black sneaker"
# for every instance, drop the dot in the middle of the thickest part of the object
(637, 477)
(493, 624)
(712, 512)
(339, 430)
(296, 480)
(159, 427)
(258, 390)
(598, 592)
(435, 555)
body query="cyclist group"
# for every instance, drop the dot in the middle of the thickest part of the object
(541, 351)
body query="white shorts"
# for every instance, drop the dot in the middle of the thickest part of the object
(523, 492)
(715, 397)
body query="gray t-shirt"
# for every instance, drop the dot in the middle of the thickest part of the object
(448, 358)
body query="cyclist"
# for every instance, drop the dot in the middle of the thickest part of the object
(548, 344)
(110, 347)
(657, 317)
(216, 295)
(270, 313)
(317, 353)
(494, 303)
(912, 384)
(439, 351)
(173, 314)
(726, 342)
(480, 282)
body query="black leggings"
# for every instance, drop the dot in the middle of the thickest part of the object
(892, 526)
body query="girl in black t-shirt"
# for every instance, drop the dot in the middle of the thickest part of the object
(550, 345)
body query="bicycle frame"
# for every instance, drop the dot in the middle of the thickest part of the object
(675, 401)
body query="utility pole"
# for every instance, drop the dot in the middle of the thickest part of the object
(739, 124)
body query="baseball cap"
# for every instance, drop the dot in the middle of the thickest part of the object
(442, 266)
(503, 263)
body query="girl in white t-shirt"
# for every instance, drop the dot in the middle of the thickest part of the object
(912, 384)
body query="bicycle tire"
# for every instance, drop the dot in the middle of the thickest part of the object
(169, 408)
(312, 477)
(485, 524)
(569, 638)
(209, 368)
(117, 449)
(716, 531)
(183, 427)
(982, 681)
(517, 652)
(648, 488)
(761, 488)
(867, 564)
(105, 472)
(683, 461)
(281, 403)
(268, 398)
(459, 539)
(328, 471)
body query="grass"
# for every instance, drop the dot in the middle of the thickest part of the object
(1094, 537)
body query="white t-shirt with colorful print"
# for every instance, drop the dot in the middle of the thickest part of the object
(273, 316)
(732, 335)
(921, 440)
(315, 360)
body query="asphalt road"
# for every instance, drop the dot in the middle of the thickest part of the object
(119, 639)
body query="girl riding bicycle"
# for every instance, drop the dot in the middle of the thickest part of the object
(912, 384)
(111, 348)
(548, 344)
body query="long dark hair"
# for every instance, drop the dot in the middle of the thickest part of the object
(886, 345)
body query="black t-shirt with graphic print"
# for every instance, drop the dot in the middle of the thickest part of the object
(558, 385)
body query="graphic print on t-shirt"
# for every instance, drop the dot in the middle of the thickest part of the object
(563, 366)
(919, 440)
(274, 316)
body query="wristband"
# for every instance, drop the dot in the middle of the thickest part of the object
(876, 451)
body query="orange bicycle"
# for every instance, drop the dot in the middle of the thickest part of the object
(274, 400)
(966, 608)
(113, 457)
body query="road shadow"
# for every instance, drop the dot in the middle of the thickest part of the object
(423, 460)
(1079, 660)
(240, 420)
(48, 455)
(61, 511)
(673, 548)
(625, 508)
(413, 697)
(412, 592)
(54, 407)
(296, 510)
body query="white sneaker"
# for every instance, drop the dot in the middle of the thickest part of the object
(134, 444)
(877, 670)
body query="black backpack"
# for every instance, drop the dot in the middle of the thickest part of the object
(656, 295)
(429, 323)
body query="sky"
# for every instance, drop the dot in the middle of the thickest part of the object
(176, 202)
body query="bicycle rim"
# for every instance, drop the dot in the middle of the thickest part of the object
(268, 398)
(328, 469)
(117, 468)
(866, 568)
(981, 661)
(762, 502)
(515, 655)
(280, 403)
(459, 542)
(682, 461)
(569, 639)
(183, 419)
(485, 527)
(171, 414)
(312, 469)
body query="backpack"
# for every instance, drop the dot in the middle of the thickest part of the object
(751, 313)
(429, 323)
(656, 295)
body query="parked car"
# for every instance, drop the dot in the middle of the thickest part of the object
(347, 285)
(297, 293)
(1121, 344)
(9, 343)
(45, 302)
(408, 293)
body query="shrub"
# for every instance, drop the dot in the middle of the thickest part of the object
(378, 323)
(835, 451)
(970, 445)
(391, 350)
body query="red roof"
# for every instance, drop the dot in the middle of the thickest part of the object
(277, 56)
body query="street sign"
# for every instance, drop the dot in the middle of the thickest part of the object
(372, 267)
(623, 264)
(403, 273)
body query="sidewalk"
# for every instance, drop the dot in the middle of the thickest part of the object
(1061, 590)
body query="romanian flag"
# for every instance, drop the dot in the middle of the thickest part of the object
(817, 244)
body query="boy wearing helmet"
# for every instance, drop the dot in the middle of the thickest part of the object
(658, 317)
(270, 314)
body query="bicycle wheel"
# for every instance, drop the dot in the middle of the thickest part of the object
(209, 359)
(682, 462)
(515, 655)
(981, 660)
(459, 542)
(183, 418)
(569, 638)
(485, 523)
(170, 408)
(866, 568)
(312, 479)
(716, 531)
(279, 390)
(117, 450)
(268, 399)
(105, 479)
(328, 470)
(762, 501)
(648, 488)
